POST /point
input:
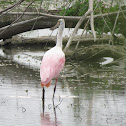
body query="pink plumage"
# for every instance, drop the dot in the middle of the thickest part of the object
(53, 61)
(52, 64)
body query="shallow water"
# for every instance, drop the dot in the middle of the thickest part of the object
(88, 94)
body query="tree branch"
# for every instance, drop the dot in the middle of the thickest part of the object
(76, 29)
(92, 19)
(90, 11)
(45, 21)
(11, 7)
(70, 18)
(6, 28)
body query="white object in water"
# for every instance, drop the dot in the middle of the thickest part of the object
(107, 60)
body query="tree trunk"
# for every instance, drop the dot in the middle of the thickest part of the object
(42, 22)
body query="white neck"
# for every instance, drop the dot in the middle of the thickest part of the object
(60, 35)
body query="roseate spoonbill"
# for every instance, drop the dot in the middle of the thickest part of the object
(53, 60)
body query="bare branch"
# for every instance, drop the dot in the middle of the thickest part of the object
(90, 11)
(16, 19)
(11, 7)
(70, 18)
(92, 19)
(76, 29)
(105, 3)
(81, 36)
(38, 15)
(46, 21)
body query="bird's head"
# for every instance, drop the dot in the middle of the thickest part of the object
(60, 23)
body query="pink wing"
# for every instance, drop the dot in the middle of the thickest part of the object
(51, 65)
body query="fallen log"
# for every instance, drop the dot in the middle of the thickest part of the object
(44, 21)
(87, 39)
(96, 52)
(11, 30)
(85, 53)
(31, 15)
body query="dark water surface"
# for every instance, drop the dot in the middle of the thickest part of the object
(87, 94)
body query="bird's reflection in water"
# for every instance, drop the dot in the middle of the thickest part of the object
(47, 121)
(45, 117)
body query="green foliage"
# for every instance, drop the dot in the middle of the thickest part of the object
(81, 6)
(7, 2)
(78, 8)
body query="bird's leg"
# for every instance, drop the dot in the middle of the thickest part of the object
(43, 94)
(54, 89)
(43, 99)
